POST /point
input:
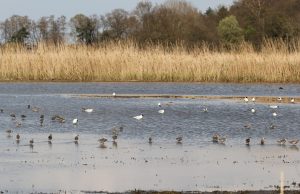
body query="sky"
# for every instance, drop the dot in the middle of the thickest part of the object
(37, 8)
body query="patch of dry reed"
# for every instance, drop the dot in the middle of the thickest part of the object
(126, 62)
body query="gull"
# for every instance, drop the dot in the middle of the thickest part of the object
(179, 139)
(281, 141)
(246, 99)
(253, 99)
(248, 141)
(88, 110)
(293, 100)
(274, 114)
(113, 94)
(102, 140)
(161, 111)
(75, 121)
(50, 138)
(294, 142)
(150, 140)
(159, 104)
(262, 141)
(139, 117)
(205, 109)
(215, 138)
(274, 106)
(253, 110)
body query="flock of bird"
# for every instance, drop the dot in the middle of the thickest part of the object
(216, 138)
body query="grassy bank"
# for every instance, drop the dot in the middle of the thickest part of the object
(126, 62)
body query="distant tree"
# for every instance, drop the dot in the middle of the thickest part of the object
(20, 36)
(52, 30)
(230, 31)
(85, 29)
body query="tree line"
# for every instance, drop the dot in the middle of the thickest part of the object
(168, 23)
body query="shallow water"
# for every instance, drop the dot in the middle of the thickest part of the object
(196, 164)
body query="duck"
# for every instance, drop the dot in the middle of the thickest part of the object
(161, 111)
(294, 142)
(248, 141)
(139, 117)
(88, 110)
(281, 141)
(75, 121)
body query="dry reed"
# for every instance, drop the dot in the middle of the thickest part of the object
(127, 62)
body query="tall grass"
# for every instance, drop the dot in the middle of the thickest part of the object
(127, 62)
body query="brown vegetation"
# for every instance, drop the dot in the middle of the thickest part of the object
(127, 62)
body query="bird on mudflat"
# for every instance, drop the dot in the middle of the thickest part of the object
(215, 138)
(18, 137)
(88, 110)
(150, 140)
(102, 140)
(179, 139)
(294, 142)
(75, 121)
(262, 141)
(76, 138)
(281, 141)
(248, 141)
(161, 111)
(50, 137)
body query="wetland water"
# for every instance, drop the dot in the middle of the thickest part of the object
(195, 165)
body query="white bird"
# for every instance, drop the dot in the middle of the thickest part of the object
(205, 109)
(253, 99)
(159, 104)
(279, 99)
(293, 100)
(75, 121)
(246, 99)
(253, 110)
(161, 111)
(88, 110)
(114, 94)
(139, 117)
(274, 114)
(274, 106)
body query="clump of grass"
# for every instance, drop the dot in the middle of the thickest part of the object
(125, 61)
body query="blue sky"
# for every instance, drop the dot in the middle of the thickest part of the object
(36, 8)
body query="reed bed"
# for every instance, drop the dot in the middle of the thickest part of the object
(118, 62)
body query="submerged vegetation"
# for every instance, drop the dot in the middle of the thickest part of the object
(126, 61)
